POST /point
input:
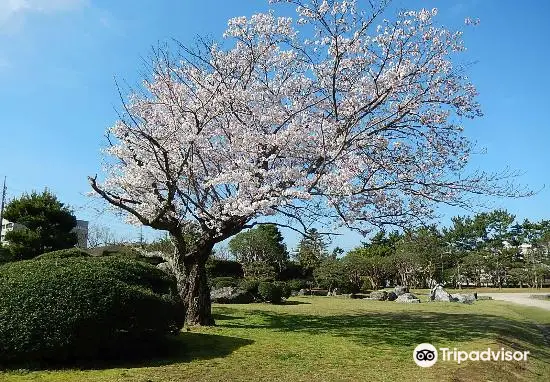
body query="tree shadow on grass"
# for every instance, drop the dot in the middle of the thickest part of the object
(294, 302)
(185, 347)
(408, 329)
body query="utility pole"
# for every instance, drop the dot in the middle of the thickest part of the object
(2, 206)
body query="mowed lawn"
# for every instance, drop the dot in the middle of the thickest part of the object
(337, 339)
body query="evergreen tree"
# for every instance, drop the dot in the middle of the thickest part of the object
(48, 225)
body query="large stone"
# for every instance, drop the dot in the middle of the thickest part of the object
(231, 295)
(380, 295)
(392, 296)
(399, 290)
(407, 298)
(465, 298)
(165, 267)
(440, 294)
(302, 292)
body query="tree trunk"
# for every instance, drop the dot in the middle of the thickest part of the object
(196, 294)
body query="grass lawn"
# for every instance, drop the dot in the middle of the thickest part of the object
(337, 339)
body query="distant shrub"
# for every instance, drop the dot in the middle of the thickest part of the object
(270, 292)
(63, 254)
(223, 268)
(251, 286)
(222, 282)
(296, 284)
(65, 309)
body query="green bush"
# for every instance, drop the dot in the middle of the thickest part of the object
(223, 268)
(251, 286)
(63, 253)
(67, 309)
(296, 284)
(270, 292)
(285, 289)
(222, 282)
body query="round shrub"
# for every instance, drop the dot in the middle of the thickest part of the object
(270, 292)
(63, 254)
(285, 289)
(222, 282)
(67, 309)
(251, 286)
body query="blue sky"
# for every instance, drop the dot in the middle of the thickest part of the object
(59, 58)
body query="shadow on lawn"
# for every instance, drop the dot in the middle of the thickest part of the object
(185, 347)
(405, 329)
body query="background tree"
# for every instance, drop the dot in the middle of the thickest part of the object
(330, 274)
(99, 236)
(48, 225)
(353, 119)
(259, 248)
(312, 250)
(419, 256)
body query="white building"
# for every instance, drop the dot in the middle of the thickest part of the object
(8, 226)
(81, 230)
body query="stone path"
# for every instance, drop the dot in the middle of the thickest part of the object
(520, 298)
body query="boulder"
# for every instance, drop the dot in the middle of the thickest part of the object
(165, 267)
(392, 296)
(380, 295)
(231, 295)
(465, 298)
(407, 298)
(440, 294)
(302, 292)
(399, 290)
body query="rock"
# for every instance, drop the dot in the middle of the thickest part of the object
(165, 267)
(302, 292)
(380, 295)
(392, 296)
(440, 294)
(407, 298)
(465, 298)
(399, 290)
(231, 295)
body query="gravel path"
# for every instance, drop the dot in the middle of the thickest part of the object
(520, 298)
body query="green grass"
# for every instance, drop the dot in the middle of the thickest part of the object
(337, 339)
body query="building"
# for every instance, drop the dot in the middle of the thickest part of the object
(81, 230)
(8, 226)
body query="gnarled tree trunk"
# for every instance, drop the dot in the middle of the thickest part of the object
(193, 287)
(196, 294)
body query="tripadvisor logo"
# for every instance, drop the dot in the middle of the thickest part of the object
(426, 355)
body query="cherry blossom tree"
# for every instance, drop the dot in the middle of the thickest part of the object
(336, 115)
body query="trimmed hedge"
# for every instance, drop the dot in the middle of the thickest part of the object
(222, 282)
(223, 268)
(63, 254)
(66, 309)
(251, 286)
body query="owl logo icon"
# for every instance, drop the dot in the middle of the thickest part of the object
(425, 355)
